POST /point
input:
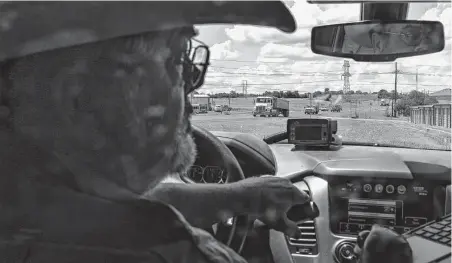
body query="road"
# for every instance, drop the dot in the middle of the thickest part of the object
(390, 131)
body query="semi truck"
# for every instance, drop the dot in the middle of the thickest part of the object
(270, 107)
(199, 108)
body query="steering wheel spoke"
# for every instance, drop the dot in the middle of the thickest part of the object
(233, 232)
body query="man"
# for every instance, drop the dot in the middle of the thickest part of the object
(365, 39)
(385, 39)
(94, 117)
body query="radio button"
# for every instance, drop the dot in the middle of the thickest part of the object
(401, 189)
(367, 188)
(378, 188)
(390, 189)
(345, 252)
(415, 221)
(304, 250)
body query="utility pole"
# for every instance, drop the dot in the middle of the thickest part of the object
(423, 99)
(229, 97)
(346, 77)
(244, 88)
(395, 90)
(417, 77)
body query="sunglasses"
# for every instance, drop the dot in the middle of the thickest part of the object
(196, 62)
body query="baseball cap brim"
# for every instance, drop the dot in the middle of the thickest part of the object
(32, 27)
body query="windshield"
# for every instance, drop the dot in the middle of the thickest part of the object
(406, 103)
(263, 100)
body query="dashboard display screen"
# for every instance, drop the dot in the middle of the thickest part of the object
(358, 203)
(308, 133)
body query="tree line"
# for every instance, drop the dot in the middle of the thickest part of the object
(285, 94)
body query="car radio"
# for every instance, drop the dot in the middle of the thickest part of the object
(319, 132)
(356, 203)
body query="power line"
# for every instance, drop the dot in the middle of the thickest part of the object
(284, 60)
(316, 62)
(310, 73)
(325, 81)
(293, 73)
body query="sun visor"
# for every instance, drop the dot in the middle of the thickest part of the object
(31, 27)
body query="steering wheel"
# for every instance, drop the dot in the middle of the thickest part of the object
(219, 151)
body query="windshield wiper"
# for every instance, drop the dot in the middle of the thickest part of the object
(276, 137)
(388, 145)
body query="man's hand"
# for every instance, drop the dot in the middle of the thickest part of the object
(270, 199)
(382, 245)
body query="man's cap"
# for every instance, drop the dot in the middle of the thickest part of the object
(33, 26)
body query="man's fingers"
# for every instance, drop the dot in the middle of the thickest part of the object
(300, 197)
(357, 250)
(292, 229)
(362, 236)
(286, 226)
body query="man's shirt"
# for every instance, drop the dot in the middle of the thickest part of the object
(48, 224)
(46, 218)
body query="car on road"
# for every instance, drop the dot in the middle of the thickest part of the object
(323, 109)
(311, 110)
(336, 108)
(225, 108)
(218, 108)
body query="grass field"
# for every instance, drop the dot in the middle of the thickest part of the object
(371, 126)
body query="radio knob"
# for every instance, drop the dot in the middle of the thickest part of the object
(345, 252)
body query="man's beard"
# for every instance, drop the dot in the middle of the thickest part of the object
(184, 149)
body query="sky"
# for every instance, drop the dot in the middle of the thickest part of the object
(267, 59)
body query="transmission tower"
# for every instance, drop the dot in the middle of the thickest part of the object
(244, 88)
(346, 76)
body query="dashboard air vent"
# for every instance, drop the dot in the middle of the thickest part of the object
(307, 243)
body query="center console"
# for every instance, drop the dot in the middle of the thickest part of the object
(356, 203)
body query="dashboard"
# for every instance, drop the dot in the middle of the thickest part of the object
(253, 155)
(207, 174)
(357, 186)
(354, 187)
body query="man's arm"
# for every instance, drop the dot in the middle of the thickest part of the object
(267, 198)
(201, 204)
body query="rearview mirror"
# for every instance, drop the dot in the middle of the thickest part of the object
(376, 41)
(372, 1)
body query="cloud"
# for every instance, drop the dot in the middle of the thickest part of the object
(306, 15)
(224, 50)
